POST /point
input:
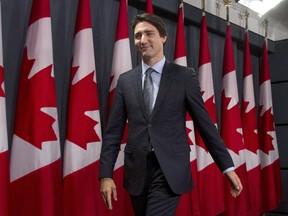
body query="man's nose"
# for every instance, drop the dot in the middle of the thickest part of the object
(143, 39)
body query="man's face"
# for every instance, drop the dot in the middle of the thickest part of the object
(148, 42)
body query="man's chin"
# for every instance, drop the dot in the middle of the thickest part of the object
(145, 56)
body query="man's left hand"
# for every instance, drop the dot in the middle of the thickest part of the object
(236, 186)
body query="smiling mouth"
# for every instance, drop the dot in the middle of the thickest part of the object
(144, 48)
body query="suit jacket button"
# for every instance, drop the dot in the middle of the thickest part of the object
(149, 125)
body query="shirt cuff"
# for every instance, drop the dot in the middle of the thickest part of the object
(228, 170)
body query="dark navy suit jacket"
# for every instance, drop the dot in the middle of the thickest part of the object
(179, 92)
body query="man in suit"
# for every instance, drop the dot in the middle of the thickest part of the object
(157, 163)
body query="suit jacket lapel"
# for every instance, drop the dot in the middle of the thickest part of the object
(166, 79)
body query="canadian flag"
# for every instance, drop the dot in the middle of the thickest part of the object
(36, 177)
(180, 47)
(211, 196)
(83, 142)
(231, 130)
(121, 63)
(250, 134)
(269, 156)
(4, 160)
(189, 202)
(149, 7)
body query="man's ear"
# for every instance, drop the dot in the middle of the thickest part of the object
(164, 38)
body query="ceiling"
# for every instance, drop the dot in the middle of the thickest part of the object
(277, 17)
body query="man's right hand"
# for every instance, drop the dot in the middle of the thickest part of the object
(108, 189)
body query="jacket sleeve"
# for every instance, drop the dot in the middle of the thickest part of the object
(113, 133)
(203, 123)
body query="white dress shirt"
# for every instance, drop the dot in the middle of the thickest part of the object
(156, 76)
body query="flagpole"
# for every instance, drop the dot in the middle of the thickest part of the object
(246, 15)
(266, 32)
(266, 27)
(227, 3)
(203, 6)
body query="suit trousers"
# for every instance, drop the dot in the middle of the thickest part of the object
(157, 198)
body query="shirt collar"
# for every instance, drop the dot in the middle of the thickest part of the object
(158, 67)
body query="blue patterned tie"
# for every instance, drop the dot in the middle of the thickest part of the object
(148, 90)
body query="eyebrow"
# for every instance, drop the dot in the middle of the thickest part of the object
(149, 31)
(145, 31)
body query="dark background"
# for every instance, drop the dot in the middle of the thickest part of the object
(15, 17)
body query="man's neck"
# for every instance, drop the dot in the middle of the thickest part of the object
(152, 61)
(158, 67)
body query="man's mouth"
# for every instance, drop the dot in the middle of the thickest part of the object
(144, 48)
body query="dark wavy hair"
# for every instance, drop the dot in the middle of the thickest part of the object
(152, 19)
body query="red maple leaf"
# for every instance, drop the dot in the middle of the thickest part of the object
(211, 109)
(266, 124)
(199, 141)
(198, 138)
(83, 97)
(32, 124)
(2, 93)
(249, 127)
(125, 134)
(188, 130)
(111, 78)
(230, 123)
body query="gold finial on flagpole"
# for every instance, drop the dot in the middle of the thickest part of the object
(266, 27)
(227, 3)
(246, 15)
(203, 6)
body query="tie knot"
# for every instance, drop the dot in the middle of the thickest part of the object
(149, 71)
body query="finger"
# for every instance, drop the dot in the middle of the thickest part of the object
(114, 191)
(104, 199)
(108, 200)
(104, 196)
(234, 192)
(236, 187)
(240, 186)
